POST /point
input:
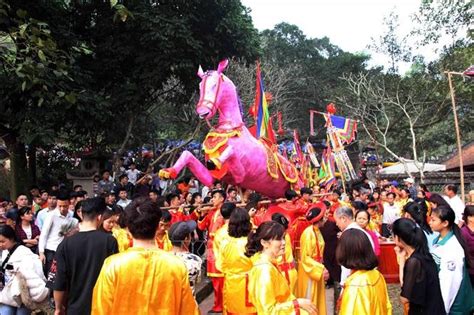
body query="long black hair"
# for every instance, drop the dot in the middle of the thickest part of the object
(239, 223)
(21, 212)
(415, 211)
(438, 200)
(412, 235)
(280, 218)
(447, 214)
(267, 231)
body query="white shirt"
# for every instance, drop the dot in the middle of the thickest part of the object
(195, 188)
(205, 191)
(450, 261)
(28, 232)
(390, 213)
(345, 272)
(132, 175)
(54, 224)
(41, 216)
(457, 205)
(123, 203)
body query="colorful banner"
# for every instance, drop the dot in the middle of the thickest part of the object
(346, 127)
(260, 109)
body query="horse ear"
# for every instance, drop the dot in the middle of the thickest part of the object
(222, 65)
(200, 73)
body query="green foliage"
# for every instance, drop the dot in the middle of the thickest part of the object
(34, 76)
(321, 64)
(390, 43)
(439, 19)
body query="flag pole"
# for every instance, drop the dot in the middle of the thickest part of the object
(456, 126)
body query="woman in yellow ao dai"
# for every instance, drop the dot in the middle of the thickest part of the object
(268, 290)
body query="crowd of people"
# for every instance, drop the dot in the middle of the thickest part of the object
(130, 246)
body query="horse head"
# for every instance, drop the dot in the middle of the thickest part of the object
(210, 90)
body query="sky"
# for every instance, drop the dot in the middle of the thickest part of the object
(349, 24)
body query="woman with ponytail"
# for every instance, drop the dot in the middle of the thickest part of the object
(286, 262)
(414, 212)
(268, 289)
(421, 292)
(451, 259)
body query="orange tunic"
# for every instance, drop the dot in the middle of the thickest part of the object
(310, 268)
(143, 281)
(164, 243)
(235, 266)
(268, 290)
(211, 222)
(221, 237)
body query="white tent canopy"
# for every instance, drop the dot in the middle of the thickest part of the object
(399, 168)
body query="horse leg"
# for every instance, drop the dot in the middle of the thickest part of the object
(187, 159)
(234, 165)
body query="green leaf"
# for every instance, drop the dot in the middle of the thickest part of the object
(71, 98)
(60, 93)
(23, 29)
(23, 86)
(40, 102)
(113, 3)
(21, 13)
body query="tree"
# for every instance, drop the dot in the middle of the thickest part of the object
(394, 111)
(320, 62)
(35, 87)
(278, 82)
(390, 43)
(440, 20)
(91, 74)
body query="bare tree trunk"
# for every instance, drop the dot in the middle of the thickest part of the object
(32, 169)
(18, 165)
(116, 162)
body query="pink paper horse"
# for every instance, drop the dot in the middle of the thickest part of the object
(243, 158)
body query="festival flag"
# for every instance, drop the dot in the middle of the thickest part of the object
(327, 172)
(260, 108)
(296, 142)
(322, 170)
(312, 154)
(346, 128)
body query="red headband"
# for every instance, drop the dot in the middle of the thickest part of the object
(319, 217)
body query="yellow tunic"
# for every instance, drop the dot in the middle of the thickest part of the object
(268, 290)
(287, 266)
(310, 268)
(365, 292)
(374, 224)
(124, 239)
(164, 243)
(143, 281)
(235, 266)
(220, 238)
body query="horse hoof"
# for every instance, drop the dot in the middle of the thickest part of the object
(167, 173)
(210, 165)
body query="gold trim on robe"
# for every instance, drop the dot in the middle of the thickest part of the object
(287, 266)
(164, 243)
